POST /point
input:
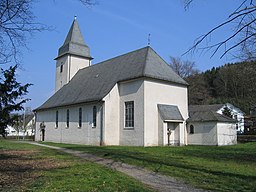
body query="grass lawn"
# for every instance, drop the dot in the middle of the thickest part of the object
(25, 167)
(227, 168)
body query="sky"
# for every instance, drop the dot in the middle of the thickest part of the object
(114, 27)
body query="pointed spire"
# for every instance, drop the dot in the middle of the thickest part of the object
(74, 42)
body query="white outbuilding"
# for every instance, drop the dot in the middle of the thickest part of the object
(207, 127)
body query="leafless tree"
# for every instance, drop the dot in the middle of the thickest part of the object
(242, 38)
(183, 68)
(17, 24)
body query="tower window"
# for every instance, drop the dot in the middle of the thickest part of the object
(61, 68)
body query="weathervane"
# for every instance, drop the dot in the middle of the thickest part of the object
(149, 39)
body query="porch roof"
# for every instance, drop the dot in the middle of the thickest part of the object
(170, 113)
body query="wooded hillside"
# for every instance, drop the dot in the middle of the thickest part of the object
(233, 83)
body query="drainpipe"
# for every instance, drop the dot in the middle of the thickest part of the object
(101, 126)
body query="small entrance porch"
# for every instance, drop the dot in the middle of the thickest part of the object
(170, 125)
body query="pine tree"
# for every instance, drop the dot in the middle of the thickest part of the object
(11, 97)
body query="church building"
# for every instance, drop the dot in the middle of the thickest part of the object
(134, 99)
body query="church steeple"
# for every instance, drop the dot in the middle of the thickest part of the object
(74, 43)
(73, 55)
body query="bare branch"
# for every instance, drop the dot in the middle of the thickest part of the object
(244, 20)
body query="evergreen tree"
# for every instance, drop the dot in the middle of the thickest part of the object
(11, 97)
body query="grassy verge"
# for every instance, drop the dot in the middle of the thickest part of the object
(227, 168)
(26, 167)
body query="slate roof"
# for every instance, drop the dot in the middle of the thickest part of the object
(74, 43)
(170, 112)
(93, 83)
(202, 113)
(214, 107)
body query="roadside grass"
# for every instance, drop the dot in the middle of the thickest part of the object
(226, 168)
(34, 168)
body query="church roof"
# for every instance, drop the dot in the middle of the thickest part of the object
(93, 83)
(74, 43)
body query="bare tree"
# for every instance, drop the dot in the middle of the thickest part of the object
(17, 24)
(242, 38)
(183, 68)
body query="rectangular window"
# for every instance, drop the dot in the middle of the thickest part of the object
(129, 114)
(80, 117)
(67, 123)
(61, 68)
(57, 119)
(94, 116)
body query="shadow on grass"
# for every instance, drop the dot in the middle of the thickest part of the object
(165, 160)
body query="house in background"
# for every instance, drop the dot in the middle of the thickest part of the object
(20, 131)
(207, 126)
(132, 99)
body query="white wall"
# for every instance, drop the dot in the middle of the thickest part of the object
(205, 133)
(71, 65)
(111, 117)
(226, 134)
(61, 78)
(132, 91)
(72, 134)
(156, 92)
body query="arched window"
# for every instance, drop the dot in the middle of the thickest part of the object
(67, 123)
(191, 129)
(94, 116)
(80, 117)
(57, 119)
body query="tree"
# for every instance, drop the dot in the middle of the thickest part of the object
(227, 112)
(11, 97)
(17, 24)
(183, 68)
(198, 93)
(243, 36)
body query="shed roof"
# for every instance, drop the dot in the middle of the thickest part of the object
(93, 83)
(207, 113)
(170, 112)
(214, 107)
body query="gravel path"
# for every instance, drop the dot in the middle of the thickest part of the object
(156, 181)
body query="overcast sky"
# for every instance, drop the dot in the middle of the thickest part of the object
(115, 27)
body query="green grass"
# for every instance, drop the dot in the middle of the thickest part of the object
(73, 174)
(227, 168)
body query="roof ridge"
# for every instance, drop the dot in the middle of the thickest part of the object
(146, 59)
(102, 62)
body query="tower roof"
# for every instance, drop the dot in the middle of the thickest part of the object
(74, 43)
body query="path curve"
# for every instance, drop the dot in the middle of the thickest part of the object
(155, 180)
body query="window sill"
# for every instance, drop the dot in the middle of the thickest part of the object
(128, 128)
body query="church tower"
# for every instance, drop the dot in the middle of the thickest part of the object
(73, 55)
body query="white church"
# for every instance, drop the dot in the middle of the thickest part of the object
(132, 99)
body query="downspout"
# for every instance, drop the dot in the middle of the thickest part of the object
(101, 126)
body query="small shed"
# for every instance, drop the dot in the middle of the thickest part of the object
(207, 127)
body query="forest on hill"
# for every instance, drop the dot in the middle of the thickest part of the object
(234, 83)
